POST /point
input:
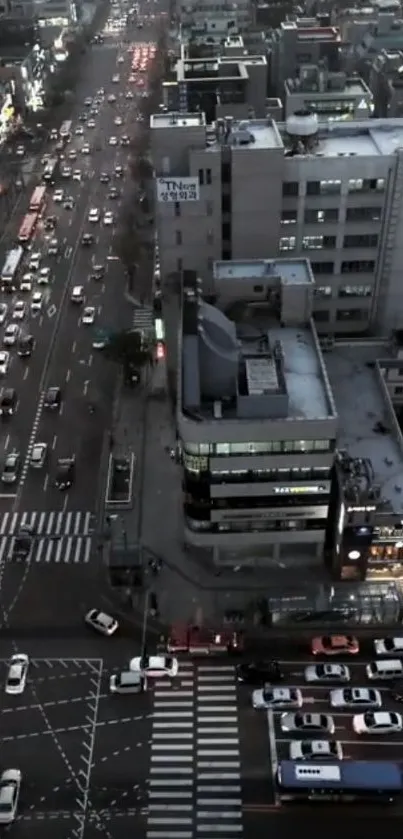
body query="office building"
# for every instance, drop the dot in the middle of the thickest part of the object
(386, 83)
(208, 21)
(299, 42)
(254, 189)
(332, 96)
(255, 415)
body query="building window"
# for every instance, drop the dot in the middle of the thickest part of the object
(313, 188)
(321, 316)
(201, 177)
(258, 289)
(356, 185)
(177, 209)
(210, 237)
(208, 176)
(358, 266)
(178, 237)
(355, 291)
(322, 267)
(317, 243)
(288, 243)
(330, 187)
(320, 216)
(210, 263)
(351, 314)
(368, 240)
(364, 214)
(209, 208)
(179, 264)
(374, 184)
(288, 217)
(398, 391)
(323, 291)
(290, 189)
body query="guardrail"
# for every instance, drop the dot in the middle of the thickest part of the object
(119, 482)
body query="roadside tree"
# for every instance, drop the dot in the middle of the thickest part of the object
(129, 350)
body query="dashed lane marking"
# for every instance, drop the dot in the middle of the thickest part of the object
(83, 727)
(53, 703)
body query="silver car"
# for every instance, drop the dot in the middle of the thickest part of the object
(327, 673)
(101, 622)
(320, 723)
(355, 698)
(316, 750)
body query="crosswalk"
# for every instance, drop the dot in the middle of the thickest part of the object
(194, 789)
(143, 318)
(58, 537)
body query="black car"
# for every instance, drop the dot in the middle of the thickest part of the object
(50, 222)
(88, 239)
(82, 118)
(22, 544)
(104, 178)
(65, 472)
(125, 140)
(25, 346)
(97, 272)
(8, 402)
(53, 398)
(259, 672)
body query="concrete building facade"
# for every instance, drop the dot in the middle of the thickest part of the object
(332, 96)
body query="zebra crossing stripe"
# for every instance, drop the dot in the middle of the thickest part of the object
(58, 538)
(48, 523)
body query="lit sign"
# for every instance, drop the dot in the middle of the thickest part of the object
(296, 490)
(370, 509)
(177, 190)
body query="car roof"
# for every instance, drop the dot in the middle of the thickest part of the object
(382, 717)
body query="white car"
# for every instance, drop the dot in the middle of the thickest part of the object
(88, 315)
(17, 673)
(77, 175)
(316, 750)
(86, 149)
(320, 723)
(66, 172)
(19, 310)
(108, 218)
(101, 622)
(20, 151)
(272, 697)
(116, 78)
(129, 95)
(118, 121)
(113, 141)
(155, 665)
(111, 98)
(4, 362)
(79, 131)
(121, 60)
(58, 196)
(3, 312)
(327, 673)
(94, 215)
(389, 646)
(35, 258)
(91, 123)
(26, 282)
(43, 276)
(378, 722)
(38, 455)
(10, 785)
(53, 248)
(36, 302)
(72, 155)
(11, 335)
(355, 698)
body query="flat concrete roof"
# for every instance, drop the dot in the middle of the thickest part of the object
(303, 373)
(290, 270)
(360, 405)
(170, 120)
(264, 131)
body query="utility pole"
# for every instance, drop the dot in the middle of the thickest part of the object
(145, 623)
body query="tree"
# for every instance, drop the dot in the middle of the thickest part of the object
(141, 170)
(131, 351)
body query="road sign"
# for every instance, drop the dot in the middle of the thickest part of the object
(51, 311)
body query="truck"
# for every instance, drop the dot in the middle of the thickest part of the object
(200, 640)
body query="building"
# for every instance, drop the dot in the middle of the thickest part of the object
(255, 415)
(18, 14)
(25, 70)
(258, 190)
(208, 21)
(386, 83)
(368, 39)
(332, 96)
(235, 83)
(299, 42)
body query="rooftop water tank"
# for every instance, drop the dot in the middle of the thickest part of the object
(302, 124)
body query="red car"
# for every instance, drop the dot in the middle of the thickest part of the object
(198, 640)
(335, 645)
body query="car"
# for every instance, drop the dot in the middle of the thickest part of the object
(116, 78)
(88, 317)
(101, 340)
(129, 95)
(69, 202)
(378, 722)
(98, 271)
(125, 140)
(43, 276)
(79, 130)
(53, 247)
(35, 260)
(19, 310)
(94, 215)
(53, 398)
(77, 175)
(108, 218)
(155, 665)
(87, 239)
(335, 645)
(111, 98)
(11, 335)
(327, 673)
(85, 149)
(315, 750)
(91, 123)
(50, 222)
(118, 121)
(88, 101)
(11, 468)
(3, 312)
(272, 697)
(101, 622)
(308, 722)
(388, 646)
(36, 302)
(104, 178)
(8, 402)
(4, 362)
(58, 195)
(53, 134)
(20, 151)
(65, 472)
(113, 141)
(10, 785)
(118, 171)
(25, 346)
(17, 674)
(66, 172)
(259, 672)
(355, 697)
(38, 455)
(121, 59)
(113, 193)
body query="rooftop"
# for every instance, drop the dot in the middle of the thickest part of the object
(334, 87)
(170, 120)
(295, 271)
(361, 404)
(365, 139)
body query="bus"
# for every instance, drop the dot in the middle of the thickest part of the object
(65, 131)
(37, 199)
(10, 269)
(340, 781)
(50, 171)
(27, 228)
